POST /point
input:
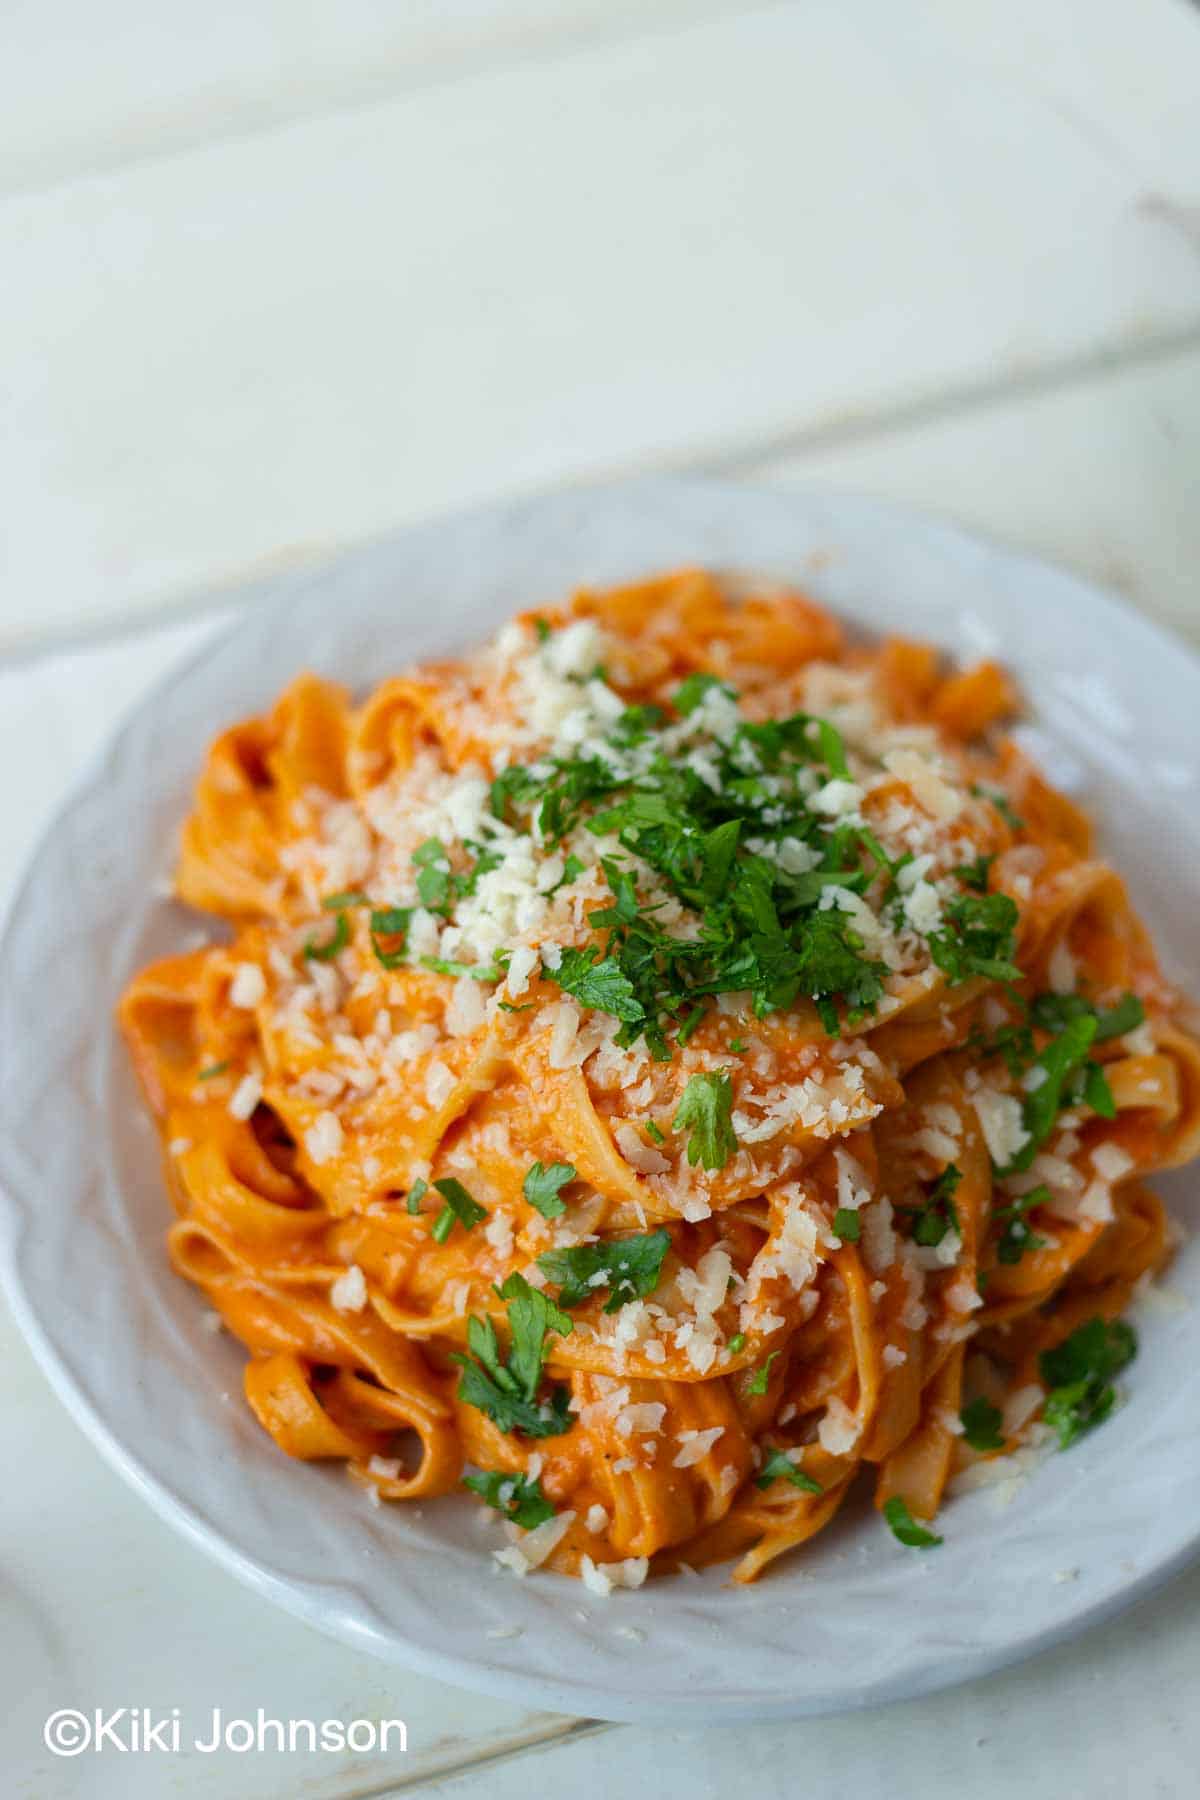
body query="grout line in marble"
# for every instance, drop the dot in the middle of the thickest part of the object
(891, 419)
(531, 1743)
(526, 48)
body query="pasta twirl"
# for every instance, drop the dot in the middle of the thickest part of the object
(663, 1066)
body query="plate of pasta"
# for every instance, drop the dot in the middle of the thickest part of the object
(593, 1120)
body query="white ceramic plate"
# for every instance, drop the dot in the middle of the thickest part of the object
(854, 1618)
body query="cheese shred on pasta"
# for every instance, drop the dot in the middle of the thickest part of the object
(663, 1065)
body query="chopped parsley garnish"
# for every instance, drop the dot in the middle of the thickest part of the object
(542, 627)
(705, 1113)
(847, 1224)
(737, 1343)
(1079, 1371)
(442, 965)
(981, 1423)
(416, 1194)
(459, 1206)
(738, 1046)
(600, 984)
(350, 897)
(1002, 804)
(905, 1528)
(974, 874)
(653, 1133)
(1017, 1237)
(518, 1497)
(542, 1187)
(1066, 1076)
(779, 1466)
(931, 1222)
(507, 1391)
(689, 813)
(1053, 1011)
(979, 938)
(757, 1383)
(629, 1267)
(335, 943)
(390, 923)
(693, 688)
(213, 1070)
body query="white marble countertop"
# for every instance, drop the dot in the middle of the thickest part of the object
(277, 279)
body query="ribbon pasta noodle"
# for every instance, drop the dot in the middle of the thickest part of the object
(661, 1067)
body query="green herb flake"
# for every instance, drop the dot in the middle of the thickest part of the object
(460, 1207)
(1078, 1373)
(975, 874)
(602, 985)
(629, 1267)
(213, 1070)
(779, 1466)
(507, 1391)
(757, 1383)
(705, 1113)
(693, 688)
(905, 1528)
(978, 939)
(335, 943)
(939, 1214)
(737, 1343)
(390, 922)
(516, 1496)
(1017, 1237)
(847, 1225)
(1002, 804)
(981, 1423)
(542, 1187)
(416, 1194)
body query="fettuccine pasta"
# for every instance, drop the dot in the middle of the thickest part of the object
(661, 1067)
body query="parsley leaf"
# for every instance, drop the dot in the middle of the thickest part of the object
(433, 874)
(542, 1184)
(390, 922)
(981, 1423)
(1078, 1373)
(1053, 1011)
(516, 1496)
(416, 1194)
(459, 1205)
(705, 1110)
(779, 1465)
(1017, 1238)
(601, 985)
(1002, 804)
(974, 874)
(905, 1528)
(757, 1383)
(629, 1267)
(506, 1392)
(213, 1070)
(847, 1225)
(692, 690)
(939, 1214)
(979, 938)
(1063, 1058)
(442, 965)
(336, 942)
